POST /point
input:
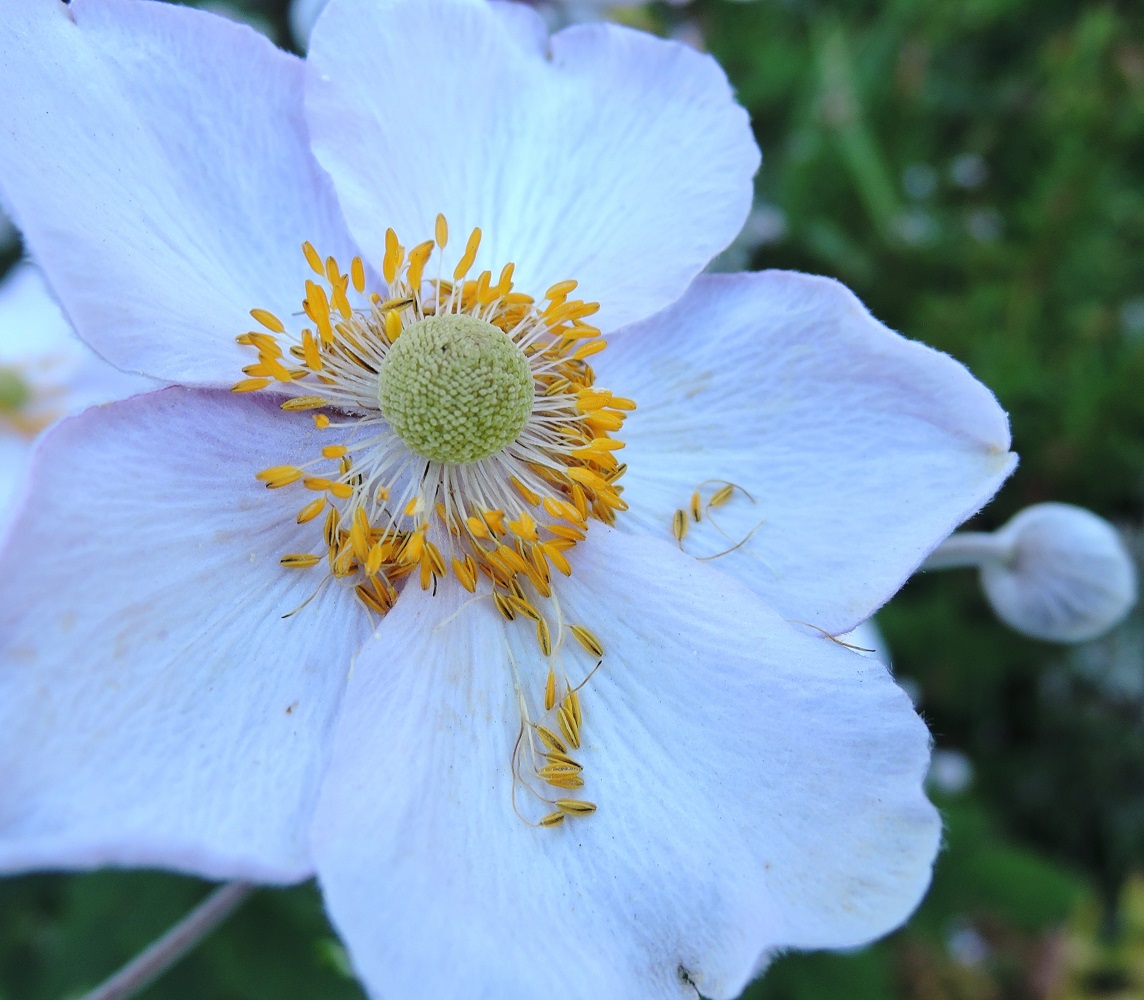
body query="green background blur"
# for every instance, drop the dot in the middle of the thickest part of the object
(974, 170)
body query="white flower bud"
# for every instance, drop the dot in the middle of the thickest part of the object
(1059, 573)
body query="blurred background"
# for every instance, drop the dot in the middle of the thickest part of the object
(974, 170)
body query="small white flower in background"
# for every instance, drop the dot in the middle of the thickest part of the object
(516, 674)
(1055, 572)
(45, 373)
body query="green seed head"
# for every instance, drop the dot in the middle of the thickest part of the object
(455, 389)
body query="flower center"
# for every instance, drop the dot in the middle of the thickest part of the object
(466, 437)
(455, 389)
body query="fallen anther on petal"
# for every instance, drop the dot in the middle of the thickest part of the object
(552, 819)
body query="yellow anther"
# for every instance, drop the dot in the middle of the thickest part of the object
(556, 757)
(568, 725)
(530, 496)
(465, 571)
(414, 507)
(550, 690)
(504, 607)
(562, 509)
(250, 385)
(268, 320)
(587, 639)
(357, 275)
(310, 352)
(544, 637)
(313, 258)
(279, 475)
(394, 255)
(441, 231)
(569, 781)
(343, 491)
(524, 527)
(550, 740)
(304, 403)
(549, 771)
(379, 601)
(560, 290)
(436, 560)
(321, 421)
(266, 344)
(392, 326)
(575, 807)
(587, 477)
(334, 451)
(721, 496)
(696, 507)
(311, 510)
(330, 532)
(418, 257)
(360, 536)
(572, 700)
(374, 558)
(300, 560)
(477, 527)
(552, 819)
(556, 557)
(468, 256)
(567, 533)
(268, 368)
(679, 526)
(414, 546)
(588, 349)
(504, 282)
(522, 606)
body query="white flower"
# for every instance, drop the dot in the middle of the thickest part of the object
(755, 785)
(45, 373)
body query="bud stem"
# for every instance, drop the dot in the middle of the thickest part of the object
(159, 956)
(969, 549)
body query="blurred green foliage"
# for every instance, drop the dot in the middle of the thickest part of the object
(974, 170)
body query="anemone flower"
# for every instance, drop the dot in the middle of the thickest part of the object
(375, 591)
(45, 373)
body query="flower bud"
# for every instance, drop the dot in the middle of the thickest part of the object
(1061, 574)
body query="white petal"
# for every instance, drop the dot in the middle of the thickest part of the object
(157, 161)
(603, 155)
(860, 450)
(758, 788)
(155, 708)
